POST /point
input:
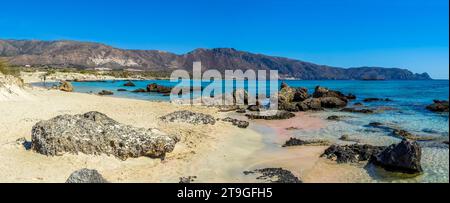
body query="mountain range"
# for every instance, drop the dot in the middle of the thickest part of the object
(86, 55)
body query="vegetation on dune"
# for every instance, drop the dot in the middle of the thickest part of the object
(8, 70)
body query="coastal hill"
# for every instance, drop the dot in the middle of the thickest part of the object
(85, 55)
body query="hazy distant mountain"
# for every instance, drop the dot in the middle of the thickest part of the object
(94, 55)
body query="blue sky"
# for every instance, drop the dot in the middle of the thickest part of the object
(409, 34)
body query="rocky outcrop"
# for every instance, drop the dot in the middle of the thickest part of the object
(94, 55)
(66, 86)
(313, 104)
(86, 176)
(236, 122)
(274, 175)
(332, 102)
(351, 153)
(129, 84)
(270, 115)
(95, 133)
(438, 106)
(189, 117)
(105, 92)
(298, 142)
(404, 157)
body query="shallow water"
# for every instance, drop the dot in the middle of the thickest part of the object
(406, 111)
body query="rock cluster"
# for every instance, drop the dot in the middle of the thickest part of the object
(438, 106)
(298, 142)
(95, 133)
(236, 122)
(271, 115)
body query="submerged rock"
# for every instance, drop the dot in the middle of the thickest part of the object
(140, 90)
(403, 157)
(347, 138)
(105, 92)
(355, 110)
(66, 86)
(334, 118)
(129, 84)
(236, 122)
(438, 106)
(351, 153)
(122, 90)
(377, 100)
(189, 117)
(270, 115)
(95, 133)
(86, 176)
(275, 175)
(407, 135)
(297, 142)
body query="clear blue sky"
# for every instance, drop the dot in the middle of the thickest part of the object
(411, 34)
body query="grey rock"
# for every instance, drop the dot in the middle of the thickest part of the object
(86, 176)
(189, 117)
(236, 122)
(351, 153)
(278, 115)
(275, 175)
(95, 133)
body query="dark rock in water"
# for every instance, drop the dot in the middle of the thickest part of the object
(313, 104)
(278, 115)
(253, 108)
(95, 133)
(122, 90)
(236, 122)
(140, 90)
(283, 85)
(333, 118)
(348, 139)
(445, 142)
(407, 135)
(189, 117)
(66, 86)
(152, 87)
(354, 110)
(164, 90)
(129, 84)
(188, 179)
(351, 97)
(332, 102)
(105, 92)
(357, 104)
(376, 124)
(403, 157)
(297, 142)
(377, 100)
(351, 153)
(275, 175)
(438, 106)
(86, 176)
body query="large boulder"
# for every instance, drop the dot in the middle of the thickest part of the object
(189, 117)
(95, 133)
(332, 102)
(310, 104)
(86, 176)
(351, 153)
(66, 86)
(325, 92)
(129, 84)
(152, 87)
(403, 157)
(438, 106)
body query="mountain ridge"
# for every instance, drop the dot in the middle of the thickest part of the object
(84, 55)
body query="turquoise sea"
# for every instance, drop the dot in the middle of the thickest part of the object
(406, 111)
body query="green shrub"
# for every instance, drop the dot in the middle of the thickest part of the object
(7, 70)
